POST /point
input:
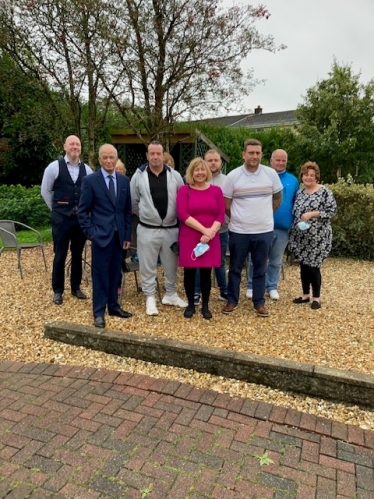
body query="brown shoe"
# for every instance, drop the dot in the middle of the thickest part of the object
(261, 310)
(230, 307)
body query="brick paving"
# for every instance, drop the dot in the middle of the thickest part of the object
(77, 433)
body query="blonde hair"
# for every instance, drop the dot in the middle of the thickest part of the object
(120, 167)
(310, 165)
(192, 167)
(169, 160)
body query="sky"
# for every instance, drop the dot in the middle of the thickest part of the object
(315, 32)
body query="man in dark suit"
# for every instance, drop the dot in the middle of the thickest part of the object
(104, 213)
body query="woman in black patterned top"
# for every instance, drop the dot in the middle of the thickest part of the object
(310, 241)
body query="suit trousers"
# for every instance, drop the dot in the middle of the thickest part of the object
(106, 267)
(66, 231)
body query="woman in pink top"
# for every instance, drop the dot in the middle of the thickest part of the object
(201, 211)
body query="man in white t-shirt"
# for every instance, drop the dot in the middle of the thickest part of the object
(252, 193)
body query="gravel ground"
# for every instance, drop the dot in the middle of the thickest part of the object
(340, 335)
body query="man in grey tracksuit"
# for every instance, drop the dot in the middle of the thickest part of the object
(154, 188)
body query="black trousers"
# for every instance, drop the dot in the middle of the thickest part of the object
(205, 284)
(310, 276)
(66, 232)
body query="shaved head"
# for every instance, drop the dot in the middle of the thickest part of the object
(73, 148)
(278, 160)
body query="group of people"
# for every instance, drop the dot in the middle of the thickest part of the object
(255, 211)
(267, 212)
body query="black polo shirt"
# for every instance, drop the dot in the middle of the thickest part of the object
(159, 191)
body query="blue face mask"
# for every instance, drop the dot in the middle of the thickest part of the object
(199, 250)
(303, 225)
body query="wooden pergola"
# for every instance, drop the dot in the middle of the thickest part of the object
(184, 147)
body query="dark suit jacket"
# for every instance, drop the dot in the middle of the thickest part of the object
(97, 214)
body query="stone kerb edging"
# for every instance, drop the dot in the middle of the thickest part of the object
(317, 381)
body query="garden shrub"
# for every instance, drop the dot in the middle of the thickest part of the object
(353, 226)
(24, 205)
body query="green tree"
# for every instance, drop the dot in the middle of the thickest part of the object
(337, 125)
(157, 60)
(231, 140)
(65, 44)
(31, 128)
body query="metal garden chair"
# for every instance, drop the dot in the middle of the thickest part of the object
(9, 240)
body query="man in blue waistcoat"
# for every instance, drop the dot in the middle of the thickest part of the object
(61, 190)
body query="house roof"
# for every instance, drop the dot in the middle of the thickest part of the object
(267, 120)
(255, 120)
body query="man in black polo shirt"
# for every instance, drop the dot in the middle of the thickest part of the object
(61, 190)
(154, 188)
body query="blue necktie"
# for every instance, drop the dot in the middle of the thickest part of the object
(112, 191)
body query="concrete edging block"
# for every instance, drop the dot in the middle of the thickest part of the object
(316, 381)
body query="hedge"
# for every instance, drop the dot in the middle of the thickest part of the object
(24, 205)
(353, 226)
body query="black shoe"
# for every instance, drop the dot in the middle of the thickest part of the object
(189, 311)
(57, 298)
(120, 313)
(99, 322)
(206, 313)
(79, 294)
(315, 305)
(301, 300)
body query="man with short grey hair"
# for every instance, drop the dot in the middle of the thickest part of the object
(105, 216)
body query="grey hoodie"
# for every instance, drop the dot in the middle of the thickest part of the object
(142, 202)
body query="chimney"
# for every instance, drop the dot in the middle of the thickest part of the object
(258, 110)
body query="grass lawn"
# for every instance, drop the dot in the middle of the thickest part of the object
(28, 236)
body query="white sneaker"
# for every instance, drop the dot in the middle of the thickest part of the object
(151, 308)
(249, 294)
(274, 295)
(174, 300)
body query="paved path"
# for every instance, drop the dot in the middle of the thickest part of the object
(77, 433)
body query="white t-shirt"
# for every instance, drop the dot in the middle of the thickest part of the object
(252, 199)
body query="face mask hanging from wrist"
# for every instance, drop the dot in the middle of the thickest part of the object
(199, 250)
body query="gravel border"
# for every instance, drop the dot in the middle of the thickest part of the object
(340, 335)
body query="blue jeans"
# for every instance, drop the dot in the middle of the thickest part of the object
(219, 271)
(277, 250)
(240, 245)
